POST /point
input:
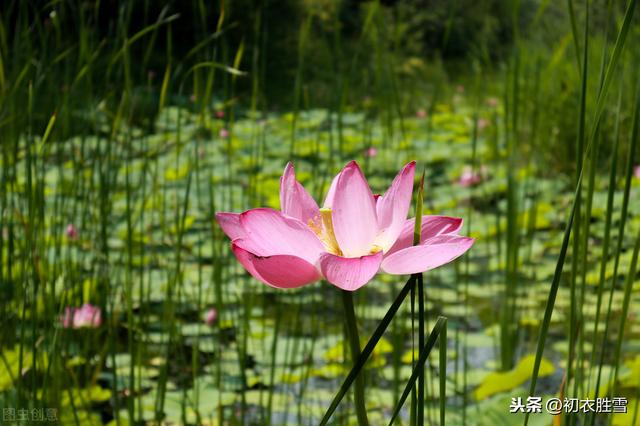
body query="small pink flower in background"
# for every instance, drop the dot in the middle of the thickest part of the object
(72, 232)
(219, 114)
(370, 152)
(492, 102)
(347, 241)
(483, 123)
(192, 98)
(210, 317)
(224, 133)
(469, 177)
(87, 316)
(636, 171)
(460, 88)
(421, 113)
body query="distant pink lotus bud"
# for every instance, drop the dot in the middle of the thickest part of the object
(460, 88)
(483, 123)
(211, 316)
(636, 171)
(224, 133)
(469, 177)
(72, 232)
(219, 114)
(421, 113)
(370, 152)
(347, 241)
(492, 102)
(87, 316)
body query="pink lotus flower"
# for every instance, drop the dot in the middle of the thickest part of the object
(370, 152)
(219, 114)
(492, 102)
(211, 316)
(72, 232)
(636, 171)
(421, 113)
(469, 177)
(87, 316)
(224, 133)
(483, 123)
(347, 241)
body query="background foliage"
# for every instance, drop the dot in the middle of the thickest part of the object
(135, 121)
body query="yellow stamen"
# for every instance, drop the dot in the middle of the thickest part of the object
(324, 231)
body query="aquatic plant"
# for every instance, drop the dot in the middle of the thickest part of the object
(86, 316)
(347, 241)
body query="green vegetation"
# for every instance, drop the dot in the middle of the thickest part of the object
(125, 128)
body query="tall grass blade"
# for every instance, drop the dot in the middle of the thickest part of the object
(442, 371)
(631, 155)
(354, 343)
(553, 291)
(368, 349)
(441, 324)
(417, 233)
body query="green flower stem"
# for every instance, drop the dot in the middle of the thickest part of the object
(354, 343)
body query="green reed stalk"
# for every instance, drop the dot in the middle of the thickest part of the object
(574, 32)
(635, 136)
(628, 288)
(573, 319)
(553, 291)
(272, 367)
(289, 349)
(413, 407)
(442, 371)
(441, 324)
(354, 343)
(607, 227)
(417, 234)
(305, 31)
(508, 333)
(129, 288)
(368, 349)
